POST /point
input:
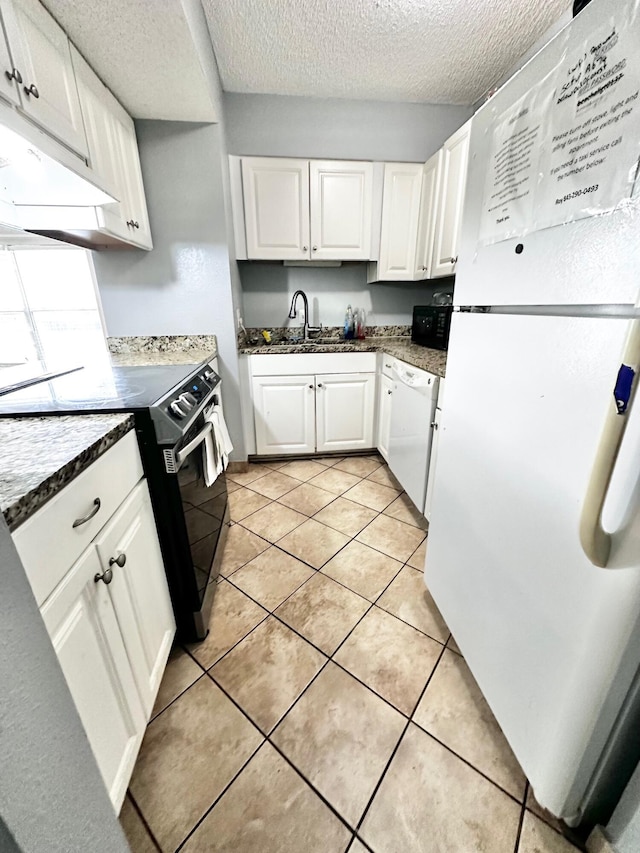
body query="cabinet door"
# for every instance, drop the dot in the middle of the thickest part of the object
(428, 215)
(345, 411)
(41, 52)
(276, 208)
(455, 155)
(341, 210)
(84, 631)
(384, 415)
(139, 590)
(400, 214)
(8, 85)
(95, 101)
(284, 408)
(135, 203)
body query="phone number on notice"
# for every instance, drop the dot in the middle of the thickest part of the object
(576, 193)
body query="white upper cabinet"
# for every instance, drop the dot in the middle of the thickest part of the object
(41, 54)
(276, 205)
(400, 215)
(341, 210)
(428, 215)
(301, 210)
(113, 157)
(455, 155)
(10, 76)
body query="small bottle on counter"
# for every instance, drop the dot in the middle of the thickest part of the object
(361, 323)
(349, 324)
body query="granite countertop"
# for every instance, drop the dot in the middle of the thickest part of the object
(162, 349)
(424, 358)
(40, 455)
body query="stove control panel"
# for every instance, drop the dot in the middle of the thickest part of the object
(191, 394)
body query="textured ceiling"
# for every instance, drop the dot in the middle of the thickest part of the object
(144, 51)
(437, 51)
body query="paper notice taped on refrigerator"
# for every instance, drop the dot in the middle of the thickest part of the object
(512, 176)
(590, 154)
(568, 149)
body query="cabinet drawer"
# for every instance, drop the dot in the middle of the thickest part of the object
(294, 364)
(48, 543)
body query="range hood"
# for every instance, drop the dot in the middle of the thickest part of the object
(34, 184)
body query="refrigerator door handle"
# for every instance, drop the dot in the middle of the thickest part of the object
(595, 541)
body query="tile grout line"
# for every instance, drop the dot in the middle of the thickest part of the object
(521, 820)
(138, 810)
(395, 749)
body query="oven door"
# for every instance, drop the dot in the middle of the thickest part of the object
(206, 516)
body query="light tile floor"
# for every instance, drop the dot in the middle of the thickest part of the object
(329, 709)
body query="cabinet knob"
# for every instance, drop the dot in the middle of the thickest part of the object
(319, 384)
(315, 248)
(434, 425)
(389, 391)
(105, 577)
(136, 224)
(132, 223)
(311, 386)
(89, 515)
(305, 248)
(120, 560)
(453, 260)
(14, 74)
(32, 90)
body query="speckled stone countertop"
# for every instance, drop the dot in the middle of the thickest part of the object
(162, 349)
(425, 358)
(41, 455)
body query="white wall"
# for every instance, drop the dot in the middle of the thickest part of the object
(268, 288)
(185, 285)
(334, 128)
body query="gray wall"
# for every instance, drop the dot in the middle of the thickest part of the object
(283, 126)
(52, 798)
(268, 288)
(333, 128)
(186, 284)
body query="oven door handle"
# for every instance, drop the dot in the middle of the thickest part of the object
(182, 454)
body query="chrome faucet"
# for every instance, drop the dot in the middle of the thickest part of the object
(293, 313)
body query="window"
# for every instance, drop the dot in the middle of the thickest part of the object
(49, 308)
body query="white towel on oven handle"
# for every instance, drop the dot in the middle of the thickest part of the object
(217, 445)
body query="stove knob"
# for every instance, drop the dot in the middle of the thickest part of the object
(209, 375)
(187, 401)
(177, 409)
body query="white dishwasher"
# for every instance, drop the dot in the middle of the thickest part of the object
(415, 393)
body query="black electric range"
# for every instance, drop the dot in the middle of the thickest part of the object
(170, 404)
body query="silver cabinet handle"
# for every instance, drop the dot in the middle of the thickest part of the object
(434, 425)
(389, 391)
(453, 260)
(305, 248)
(120, 560)
(90, 515)
(319, 384)
(14, 74)
(315, 248)
(311, 386)
(105, 577)
(32, 90)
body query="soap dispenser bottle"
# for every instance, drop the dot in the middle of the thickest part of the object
(349, 324)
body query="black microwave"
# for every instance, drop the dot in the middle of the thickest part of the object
(431, 324)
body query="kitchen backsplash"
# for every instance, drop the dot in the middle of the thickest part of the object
(288, 333)
(162, 343)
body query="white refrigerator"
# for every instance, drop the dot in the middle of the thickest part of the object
(530, 433)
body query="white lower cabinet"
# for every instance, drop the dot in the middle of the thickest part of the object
(83, 627)
(96, 570)
(384, 415)
(345, 411)
(313, 412)
(437, 419)
(139, 590)
(285, 414)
